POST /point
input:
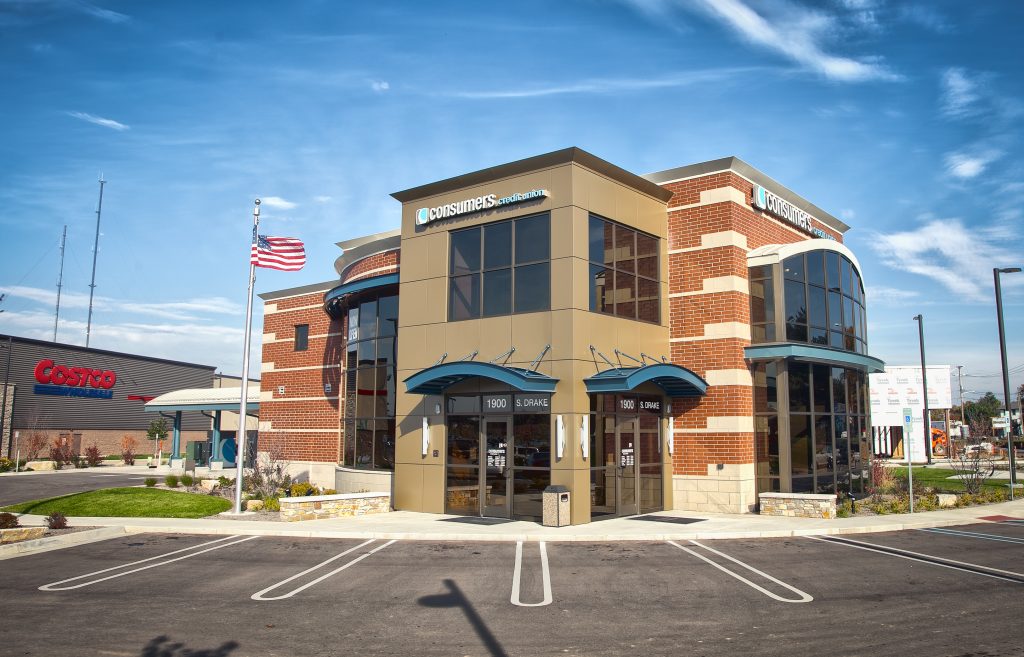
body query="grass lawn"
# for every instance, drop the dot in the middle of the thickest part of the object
(938, 478)
(127, 503)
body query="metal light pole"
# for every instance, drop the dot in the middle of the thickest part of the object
(1006, 377)
(924, 385)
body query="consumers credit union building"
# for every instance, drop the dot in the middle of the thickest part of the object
(685, 339)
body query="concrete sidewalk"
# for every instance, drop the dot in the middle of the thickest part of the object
(661, 526)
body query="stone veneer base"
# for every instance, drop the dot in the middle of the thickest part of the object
(346, 505)
(798, 505)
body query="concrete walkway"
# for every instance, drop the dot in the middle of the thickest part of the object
(661, 526)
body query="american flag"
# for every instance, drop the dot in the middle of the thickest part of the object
(284, 253)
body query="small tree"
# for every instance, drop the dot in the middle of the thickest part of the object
(128, 445)
(973, 467)
(61, 452)
(157, 431)
(37, 441)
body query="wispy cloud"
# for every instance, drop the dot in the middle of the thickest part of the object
(323, 199)
(189, 309)
(958, 257)
(99, 120)
(959, 92)
(380, 86)
(277, 203)
(925, 16)
(889, 296)
(107, 15)
(795, 32)
(608, 85)
(964, 165)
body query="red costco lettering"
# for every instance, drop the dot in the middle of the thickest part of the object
(48, 372)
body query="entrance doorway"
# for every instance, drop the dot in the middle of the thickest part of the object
(497, 466)
(626, 476)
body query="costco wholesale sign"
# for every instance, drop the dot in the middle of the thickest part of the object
(64, 381)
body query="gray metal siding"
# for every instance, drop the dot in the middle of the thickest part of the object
(135, 376)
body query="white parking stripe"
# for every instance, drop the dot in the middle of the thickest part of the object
(259, 595)
(517, 573)
(962, 566)
(54, 585)
(956, 532)
(804, 597)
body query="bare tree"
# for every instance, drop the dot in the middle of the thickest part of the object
(973, 466)
(268, 475)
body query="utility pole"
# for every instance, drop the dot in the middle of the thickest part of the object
(1006, 377)
(95, 252)
(960, 384)
(60, 280)
(924, 389)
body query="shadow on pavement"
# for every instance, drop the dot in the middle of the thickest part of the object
(162, 646)
(456, 598)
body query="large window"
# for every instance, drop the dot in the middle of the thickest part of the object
(624, 271)
(500, 268)
(822, 302)
(370, 383)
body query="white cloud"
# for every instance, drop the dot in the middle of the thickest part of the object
(609, 85)
(277, 202)
(970, 165)
(889, 296)
(107, 15)
(794, 32)
(959, 92)
(187, 310)
(959, 258)
(379, 86)
(323, 199)
(99, 120)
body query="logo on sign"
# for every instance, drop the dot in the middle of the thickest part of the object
(776, 205)
(65, 381)
(476, 204)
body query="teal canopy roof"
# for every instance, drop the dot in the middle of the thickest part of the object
(676, 381)
(436, 379)
(815, 354)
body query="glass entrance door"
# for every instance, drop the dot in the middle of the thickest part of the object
(626, 478)
(496, 500)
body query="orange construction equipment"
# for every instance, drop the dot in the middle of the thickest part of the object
(940, 442)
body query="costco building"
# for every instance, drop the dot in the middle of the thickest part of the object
(685, 339)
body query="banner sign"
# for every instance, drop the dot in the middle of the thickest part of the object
(898, 391)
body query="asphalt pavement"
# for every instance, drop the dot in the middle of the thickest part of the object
(23, 487)
(929, 592)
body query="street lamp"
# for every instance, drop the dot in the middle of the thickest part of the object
(996, 271)
(924, 386)
(3, 398)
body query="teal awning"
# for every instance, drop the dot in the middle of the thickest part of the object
(361, 285)
(815, 354)
(436, 379)
(676, 381)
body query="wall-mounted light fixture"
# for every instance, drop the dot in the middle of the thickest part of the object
(559, 437)
(585, 436)
(671, 431)
(426, 436)
(437, 409)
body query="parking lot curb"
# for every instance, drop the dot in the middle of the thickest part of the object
(45, 544)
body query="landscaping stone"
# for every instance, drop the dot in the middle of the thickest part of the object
(38, 466)
(798, 505)
(946, 499)
(343, 505)
(21, 534)
(210, 485)
(254, 505)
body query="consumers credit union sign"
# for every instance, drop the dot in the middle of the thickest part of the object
(773, 204)
(475, 204)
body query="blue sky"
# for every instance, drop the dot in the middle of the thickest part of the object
(900, 118)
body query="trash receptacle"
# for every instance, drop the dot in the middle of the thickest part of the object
(555, 501)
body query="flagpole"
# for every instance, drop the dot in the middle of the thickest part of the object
(241, 433)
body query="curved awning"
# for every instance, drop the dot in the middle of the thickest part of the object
(815, 354)
(206, 399)
(436, 379)
(676, 381)
(361, 285)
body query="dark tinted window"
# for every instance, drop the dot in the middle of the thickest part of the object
(465, 254)
(533, 287)
(533, 239)
(301, 337)
(624, 272)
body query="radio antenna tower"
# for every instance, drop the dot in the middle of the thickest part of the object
(95, 252)
(60, 280)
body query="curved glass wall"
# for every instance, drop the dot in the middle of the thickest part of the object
(810, 419)
(369, 412)
(821, 299)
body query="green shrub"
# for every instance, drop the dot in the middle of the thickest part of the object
(171, 481)
(302, 489)
(79, 462)
(8, 521)
(7, 464)
(226, 481)
(57, 520)
(271, 504)
(328, 491)
(151, 481)
(188, 480)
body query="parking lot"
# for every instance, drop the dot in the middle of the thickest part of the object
(32, 486)
(957, 591)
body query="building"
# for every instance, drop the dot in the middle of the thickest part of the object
(94, 396)
(685, 339)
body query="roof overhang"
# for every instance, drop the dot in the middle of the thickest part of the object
(362, 285)
(438, 378)
(205, 399)
(814, 354)
(676, 381)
